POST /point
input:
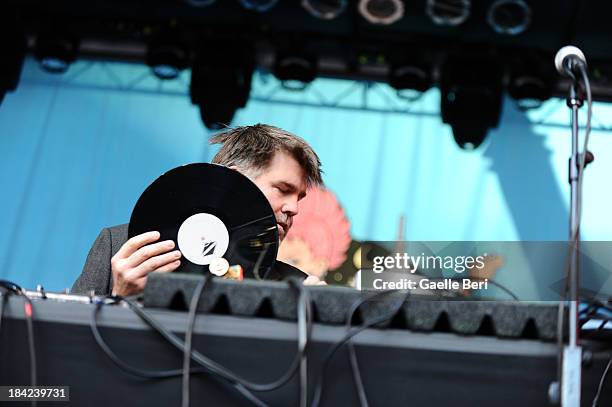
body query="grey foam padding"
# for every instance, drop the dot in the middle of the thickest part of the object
(331, 305)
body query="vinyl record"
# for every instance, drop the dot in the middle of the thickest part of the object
(210, 211)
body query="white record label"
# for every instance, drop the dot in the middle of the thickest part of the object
(202, 237)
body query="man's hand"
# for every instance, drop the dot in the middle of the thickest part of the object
(314, 280)
(138, 257)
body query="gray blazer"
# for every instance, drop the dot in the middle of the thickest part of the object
(97, 276)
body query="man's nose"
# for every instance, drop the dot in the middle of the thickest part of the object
(290, 207)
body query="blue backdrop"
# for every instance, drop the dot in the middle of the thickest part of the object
(79, 149)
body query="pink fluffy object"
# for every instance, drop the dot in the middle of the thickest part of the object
(322, 224)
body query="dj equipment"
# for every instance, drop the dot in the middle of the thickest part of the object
(248, 327)
(419, 313)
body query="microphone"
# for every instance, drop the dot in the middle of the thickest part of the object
(568, 59)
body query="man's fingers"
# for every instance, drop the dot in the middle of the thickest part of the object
(156, 263)
(314, 280)
(168, 267)
(147, 252)
(137, 258)
(136, 243)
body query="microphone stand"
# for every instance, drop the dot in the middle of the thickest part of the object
(572, 353)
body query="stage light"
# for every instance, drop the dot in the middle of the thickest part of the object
(258, 5)
(295, 70)
(410, 79)
(384, 12)
(220, 86)
(167, 60)
(325, 9)
(13, 48)
(471, 98)
(55, 52)
(510, 17)
(531, 81)
(448, 12)
(530, 90)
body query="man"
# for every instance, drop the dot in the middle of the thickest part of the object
(281, 164)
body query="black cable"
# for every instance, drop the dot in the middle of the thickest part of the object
(304, 329)
(352, 353)
(595, 310)
(157, 374)
(305, 321)
(142, 373)
(9, 285)
(363, 400)
(348, 336)
(603, 323)
(588, 319)
(351, 333)
(587, 133)
(149, 374)
(240, 383)
(595, 304)
(601, 383)
(355, 370)
(28, 310)
(174, 340)
(361, 393)
(195, 300)
(229, 375)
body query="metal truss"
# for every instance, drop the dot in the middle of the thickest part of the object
(350, 95)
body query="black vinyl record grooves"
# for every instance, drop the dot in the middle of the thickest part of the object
(210, 211)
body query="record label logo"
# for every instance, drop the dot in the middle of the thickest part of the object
(202, 237)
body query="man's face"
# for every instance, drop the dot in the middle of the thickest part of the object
(284, 184)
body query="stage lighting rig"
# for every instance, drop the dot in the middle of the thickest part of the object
(166, 58)
(295, 70)
(510, 17)
(531, 82)
(325, 9)
(383, 12)
(258, 5)
(410, 79)
(55, 51)
(220, 86)
(448, 12)
(471, 97)
(529, 90)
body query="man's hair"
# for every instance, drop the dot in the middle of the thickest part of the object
(251, 148)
